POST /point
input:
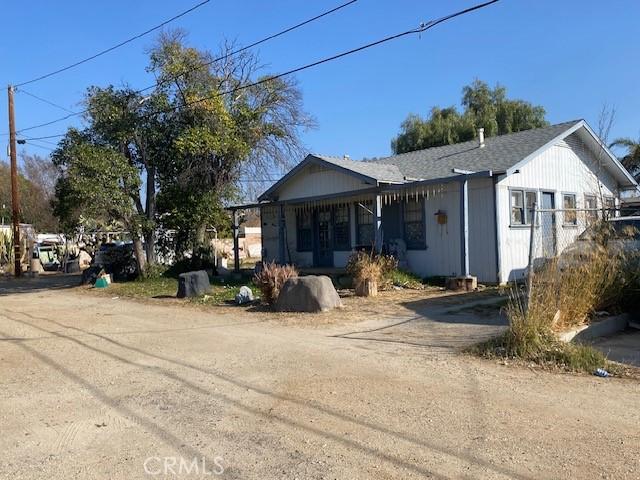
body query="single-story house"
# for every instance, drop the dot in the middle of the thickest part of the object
(457, 210)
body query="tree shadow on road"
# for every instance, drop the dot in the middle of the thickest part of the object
(291, 422)
(42, 283)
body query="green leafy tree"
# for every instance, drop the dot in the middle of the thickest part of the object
(483, 106)
(631, 159)
(226, 128)
(35, 208)
(206, 127)
(96, 181)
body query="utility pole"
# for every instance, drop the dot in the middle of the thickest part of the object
(15, 195)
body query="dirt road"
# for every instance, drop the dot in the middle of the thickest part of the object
(112, 389)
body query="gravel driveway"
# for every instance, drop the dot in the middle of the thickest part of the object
(94, 387)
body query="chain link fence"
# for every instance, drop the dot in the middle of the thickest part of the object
(562, 234)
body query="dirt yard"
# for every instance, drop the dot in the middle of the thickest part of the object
(107, 388)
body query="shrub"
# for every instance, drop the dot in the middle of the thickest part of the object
(156, 270)
(271, 278)
(402, 278)
(564, 293)
(567, 290)
(363, 266)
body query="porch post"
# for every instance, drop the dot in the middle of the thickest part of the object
(236, 242)
(377, 222)
(464, 225)
(281, 234)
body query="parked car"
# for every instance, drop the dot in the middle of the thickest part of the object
(615, 236)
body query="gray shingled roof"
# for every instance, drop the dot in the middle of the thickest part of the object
(498, 154)
(378, 171)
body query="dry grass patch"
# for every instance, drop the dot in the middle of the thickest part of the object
(271, 279)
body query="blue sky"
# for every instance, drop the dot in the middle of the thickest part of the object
(569, 56)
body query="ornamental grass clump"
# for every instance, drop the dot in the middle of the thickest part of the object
(369, 270)
(271, 278)
(565, 292)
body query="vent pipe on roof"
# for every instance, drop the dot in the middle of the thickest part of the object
(481, 137)
(346, 157)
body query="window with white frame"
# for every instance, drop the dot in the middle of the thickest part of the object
(570, 216)
(591, 207)
(522, 202)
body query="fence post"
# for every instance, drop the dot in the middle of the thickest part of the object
(531, 250)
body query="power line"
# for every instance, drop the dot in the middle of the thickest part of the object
(234, 52)
(45, 101)
(47, 142)
(422, 28)
(41, 146)
(247, 47)
(66, 117)
(48, 136)
(110, 49)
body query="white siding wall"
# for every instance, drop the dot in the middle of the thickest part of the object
(567, 167)
(482, 230)
(443, 254)
(315, 180)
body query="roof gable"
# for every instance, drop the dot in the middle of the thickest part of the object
(365, 171)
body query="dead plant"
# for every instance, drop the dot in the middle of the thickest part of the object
(271, 278)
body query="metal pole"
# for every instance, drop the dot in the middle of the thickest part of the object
(236, 242)
(15, 195)
(464, 226)
(531, 248)
(377, 223)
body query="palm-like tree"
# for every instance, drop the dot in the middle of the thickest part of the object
(631, 160)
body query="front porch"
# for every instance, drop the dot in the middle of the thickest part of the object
(423, 223)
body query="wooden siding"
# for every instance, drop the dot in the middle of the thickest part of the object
(482, 230)
(315, 180)
(567, 167)
(269, 222)
(442, 255)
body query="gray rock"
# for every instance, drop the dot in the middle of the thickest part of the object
(308, 294)
(244, 296)
(193, 284)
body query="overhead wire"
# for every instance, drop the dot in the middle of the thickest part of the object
(44, 100)
(114, 47)
(198, 67)
(420, 29)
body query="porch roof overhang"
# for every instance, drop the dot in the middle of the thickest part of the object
(380, 189)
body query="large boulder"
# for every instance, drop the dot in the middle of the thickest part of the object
(193, 284)
(308, 294)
